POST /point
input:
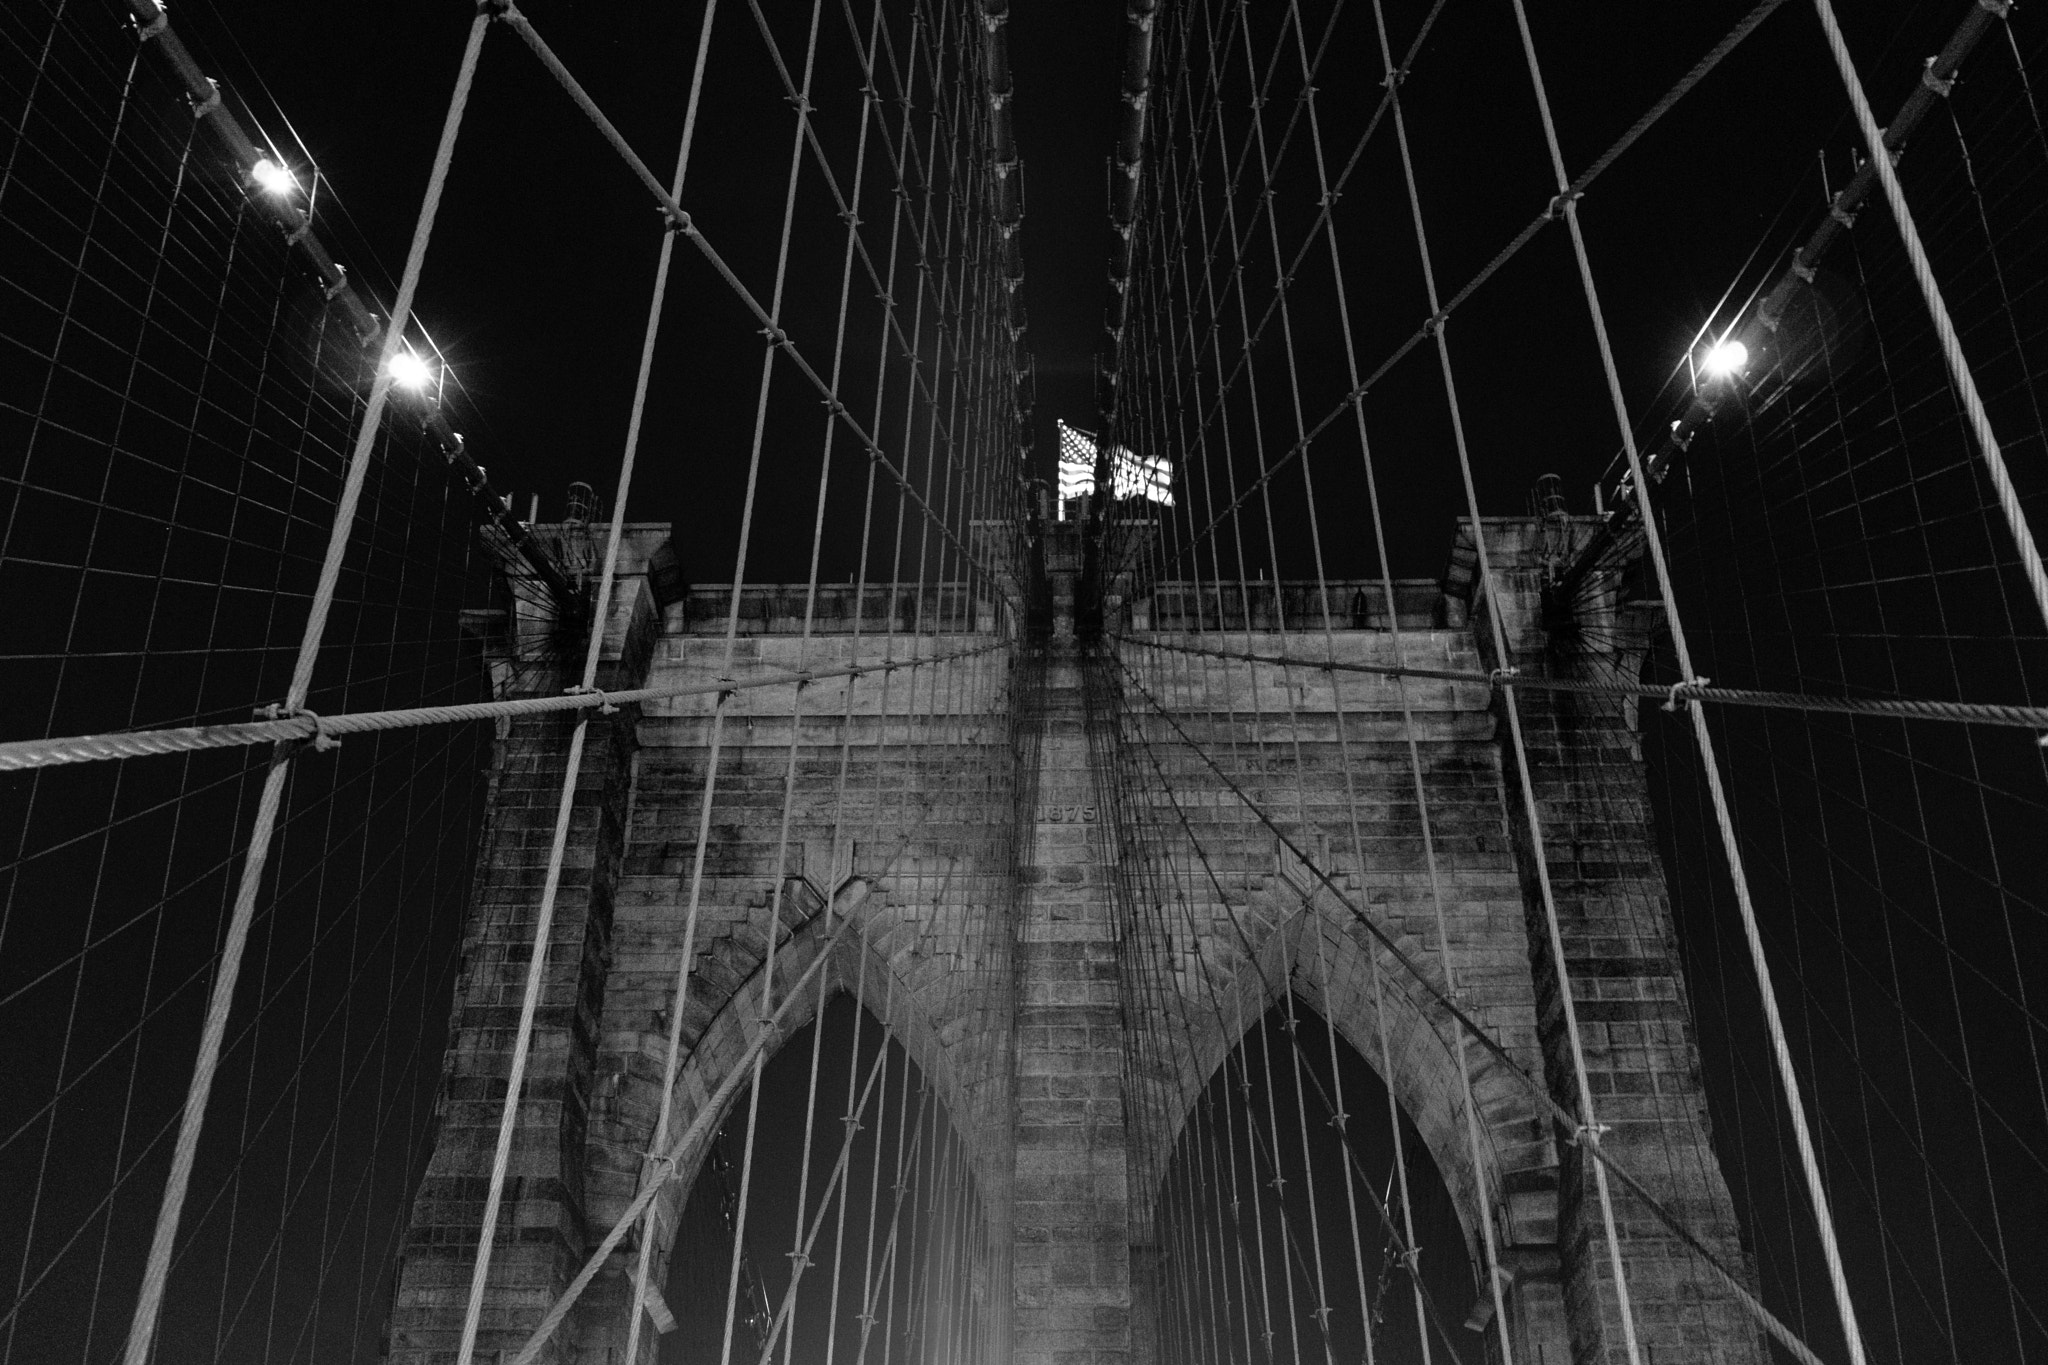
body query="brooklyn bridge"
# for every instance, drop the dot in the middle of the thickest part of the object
(908, 681)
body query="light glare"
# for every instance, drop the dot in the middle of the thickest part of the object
(1727, 358)
(408, 371)
(272, 177)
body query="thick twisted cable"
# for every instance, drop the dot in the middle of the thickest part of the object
(21, 754)
(1899, 708)
(1937, 309)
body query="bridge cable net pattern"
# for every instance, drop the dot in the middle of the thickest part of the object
(1280, 806)
(226, 435)
(1829, 529)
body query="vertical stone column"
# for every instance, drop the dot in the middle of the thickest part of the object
(1626, 982)
(1072, 1199)
(541, 1236)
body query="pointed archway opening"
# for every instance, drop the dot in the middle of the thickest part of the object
(1286, 1232)
(862, 1241)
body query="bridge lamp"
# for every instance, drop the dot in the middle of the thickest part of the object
(408, 371)
(273, 178)
(1726, 360)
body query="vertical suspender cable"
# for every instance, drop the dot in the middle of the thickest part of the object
(1444, 948)
(149, 1304)
(1589, 1132)
(1788, 1079)
(593, 652)
(688, 956)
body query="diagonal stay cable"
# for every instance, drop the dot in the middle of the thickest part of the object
(1700, 689)
(668, 1163)
(680, 221)
(1550, 214)
(323, 730)
(1587, 1141)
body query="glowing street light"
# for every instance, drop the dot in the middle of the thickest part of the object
(273, 178)
(408, 371)
(1726, 359)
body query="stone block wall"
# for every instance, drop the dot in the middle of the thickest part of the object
(1074, 896)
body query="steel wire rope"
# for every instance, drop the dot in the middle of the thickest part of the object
(1176, 99)
(2009, 503)
(1240, 930)
(852, 1124)
(1590, 1130)
(1171, 169)
(803, 109)
(1267, 170)
(1315, 537)
(1228, 226)
(1432, 1318)
(1441, 313)
(646, 1194)
(1512, 1068)
(600, 616)
(2041, 428)
(35, 1207)
(680, 221)
(1327, 223)
(847, 208)
(163, 1131)
(135, 1029)
(149, 1302)
(16, 755)
(808, 1227)
(1960, 371)
(1903, 708)
(1171, 885)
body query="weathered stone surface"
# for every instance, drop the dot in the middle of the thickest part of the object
(1014, 820)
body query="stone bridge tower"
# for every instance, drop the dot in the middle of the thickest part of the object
(996, 792)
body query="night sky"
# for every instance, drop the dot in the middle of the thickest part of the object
(1829, 537)
(535, 287)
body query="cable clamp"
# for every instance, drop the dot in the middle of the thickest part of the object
(1840, 215)
(1561, 204)
(604, 706)
(1503, 677)
(320, 740)
(1394, 78)
(298, 234)
(1940, 85)
(1589, 1134)
(677, 220)
(1683, 692)
(1999, 8)
(155, 27)
(201, 108)
(340, 283)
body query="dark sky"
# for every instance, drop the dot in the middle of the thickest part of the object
(535, 290)
(536, 283)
